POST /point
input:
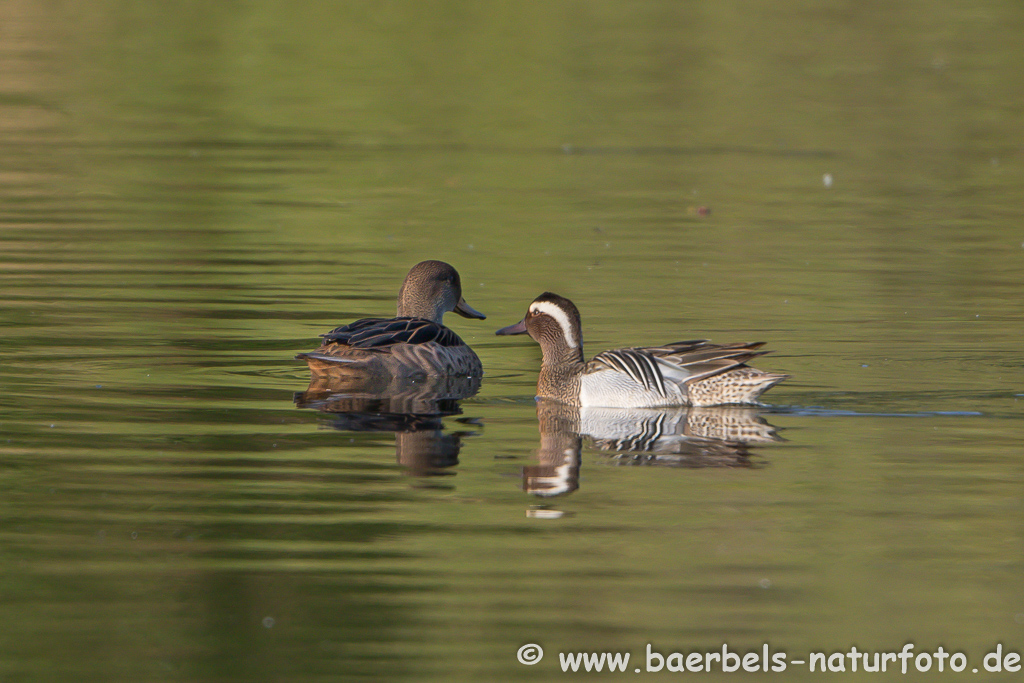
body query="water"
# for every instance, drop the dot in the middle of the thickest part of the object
(190, 195)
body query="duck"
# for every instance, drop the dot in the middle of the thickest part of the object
(413, 345)
(685, 373)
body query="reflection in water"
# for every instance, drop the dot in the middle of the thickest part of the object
(559, 453)
(413, 408)
(719, 436)
(714, 436)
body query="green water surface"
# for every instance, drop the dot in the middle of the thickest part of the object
(191, 192)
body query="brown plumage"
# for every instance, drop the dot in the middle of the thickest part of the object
(414, 344)
(691, 372)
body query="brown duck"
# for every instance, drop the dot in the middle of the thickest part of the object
(415, 342)
(693, 373)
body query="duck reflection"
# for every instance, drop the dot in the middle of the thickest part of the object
(694, 437)
(412, 407)
(559, 455)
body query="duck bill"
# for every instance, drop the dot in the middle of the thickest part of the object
(518, 328)
(467, 311)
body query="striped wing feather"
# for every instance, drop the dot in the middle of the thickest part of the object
(686, 361)
(641, 366)
(375, 333)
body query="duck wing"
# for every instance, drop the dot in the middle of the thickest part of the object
(640, 365)
(679, 362)
(692, 361)
(370, 333)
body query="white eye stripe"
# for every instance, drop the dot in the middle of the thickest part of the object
(560, 316)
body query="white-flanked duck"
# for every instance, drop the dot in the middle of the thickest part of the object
(413, 344)
(687, 373)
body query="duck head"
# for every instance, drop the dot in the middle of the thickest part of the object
(553, 322)
(431, 289)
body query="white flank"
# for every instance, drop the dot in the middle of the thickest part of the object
(548, 308)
